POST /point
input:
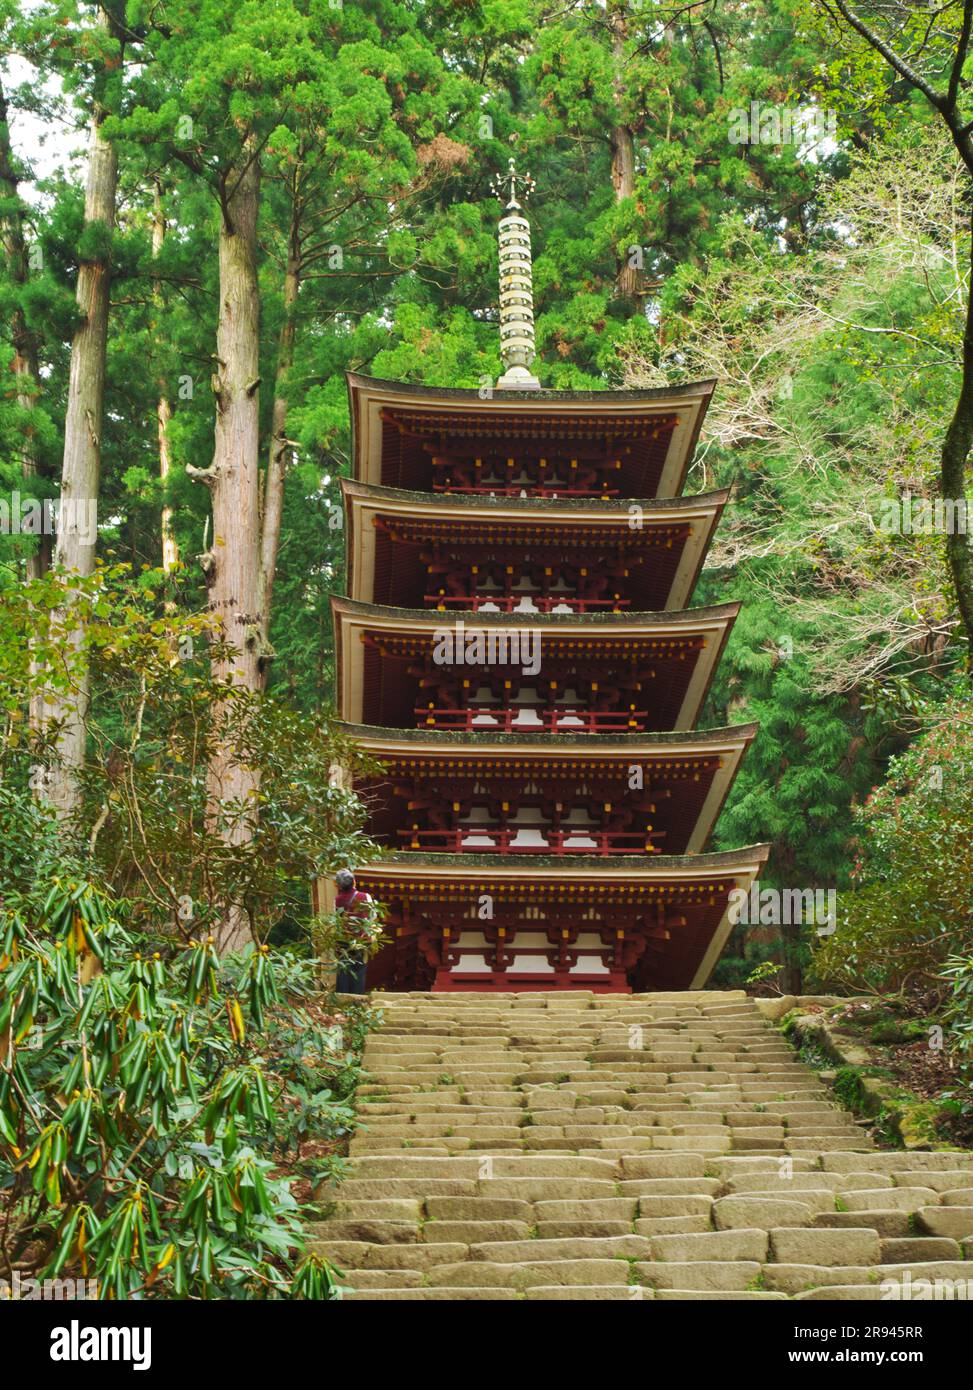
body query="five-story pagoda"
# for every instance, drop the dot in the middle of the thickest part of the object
(518, 654)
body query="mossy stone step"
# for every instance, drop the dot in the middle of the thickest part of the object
(521, 1147)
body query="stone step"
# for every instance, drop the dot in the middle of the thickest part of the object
(956, 1222)
(424, 1256)
(816, 1199)
(377, 1232)
(483, 1273)
(477, 1232)
(363, 1279)
(668, 1187)
(425, 1294)
(379, 1209)
(899, 1250)
(733, 1213)
(748, 1243)
(672, 1225)
(954, 1188)
(601, 1209)
(620, 1148)
(774, 1176)
(720, 1275)
(596, 1227)
(908, 1199)
(593, 1293)
(539, 1188)
(793, 1279)
(624, 1247)
(478, 1208)
(892, 1162)
(415, 1187)
(853, 1245)
(887, 1224)
(710, 1295)
(502, 1166)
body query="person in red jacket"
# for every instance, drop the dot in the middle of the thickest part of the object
(351, 974)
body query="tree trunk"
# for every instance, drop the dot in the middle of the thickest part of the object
(955, 457)
(279, 448)
(26, 372)
(81, 468)
(170, 551)
(233, 564)
(25, 359)
(623, 154)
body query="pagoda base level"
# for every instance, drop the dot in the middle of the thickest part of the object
(523, 981)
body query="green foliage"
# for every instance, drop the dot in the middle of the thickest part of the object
(848, 1089)
(148, 823)
(958, 1016)
(898, 1030)
(910, 910)
(768, 971)
(146, 1098)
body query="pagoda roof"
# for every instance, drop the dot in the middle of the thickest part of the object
(703, 764)
(582, 873)
(702, 882)
(667, 637)
(685, 740)
(551, 622)
(679, 529)
(393, 420)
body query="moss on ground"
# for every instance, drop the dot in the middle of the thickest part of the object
(866, 1079)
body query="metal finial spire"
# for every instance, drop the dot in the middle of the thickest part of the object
(517, 349)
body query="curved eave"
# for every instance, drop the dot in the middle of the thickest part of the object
(352, 619)
(373, 736)
(364, 502)
(579, 868)
(689, 618)
(415, 391)
(728, 745)
(369, 396)
(591, 508)
(733, 869)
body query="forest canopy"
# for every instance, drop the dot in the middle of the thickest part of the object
(211, 211)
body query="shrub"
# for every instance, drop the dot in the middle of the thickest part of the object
(911, 907)
(147, 1092)
(958, 1014)
(146, 822)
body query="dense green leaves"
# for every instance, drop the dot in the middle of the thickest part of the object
(910, 908)
(146, 823)
(146, 1098)
(823, 284)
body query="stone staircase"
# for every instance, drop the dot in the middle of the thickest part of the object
(585, 1146)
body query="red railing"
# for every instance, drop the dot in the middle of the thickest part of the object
(483, 839)
(510, 603)
(526, 720)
